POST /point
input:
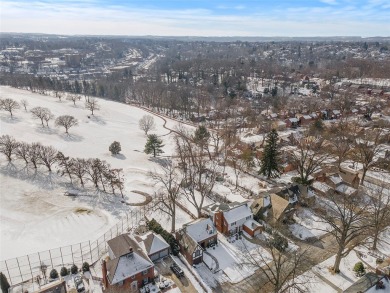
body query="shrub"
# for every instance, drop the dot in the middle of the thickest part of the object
(74, 269)
(53, 274)
(279, 242)
(85, 267)
(64, 272)
(115, 148)
(4, 283)
(359, 269)
(168, 237)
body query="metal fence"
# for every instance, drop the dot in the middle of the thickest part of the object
(28, 267)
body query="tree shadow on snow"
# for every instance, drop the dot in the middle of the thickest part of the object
(158, 160)
(46, 130)
(119, 156)
(41, 178)
(8, 119)
(71, 137)
(97, 119)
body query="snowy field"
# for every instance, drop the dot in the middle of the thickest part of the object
(34, 209)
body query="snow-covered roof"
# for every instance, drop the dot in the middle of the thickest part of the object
(252, 224)
(128, 266)
(336, 179)
(201, 229)
(237, 213)
(345, 189)
(152, 242)
(307, 117)
(321, 186)
(293, 120)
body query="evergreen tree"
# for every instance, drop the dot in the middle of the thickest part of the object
(201, 135)
(4, 283)
(153, 145)
(269, 160)
(115, 148)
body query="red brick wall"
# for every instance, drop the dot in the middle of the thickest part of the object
(138, 277)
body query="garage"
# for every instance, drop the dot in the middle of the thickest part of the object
(154, 245)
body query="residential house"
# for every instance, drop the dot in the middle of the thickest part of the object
(333, 182)
(292, 122)
(194, 237)
(280, 208)
(230, 218)
(154, 245)
(305, 120)
(128, 266)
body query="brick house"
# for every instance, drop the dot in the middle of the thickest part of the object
(128, 266)
(292, 122)
(305, 120)
(194, 237)
(230, 218)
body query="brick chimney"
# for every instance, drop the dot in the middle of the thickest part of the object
(104, 273)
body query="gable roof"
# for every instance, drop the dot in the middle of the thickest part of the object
(186, 241)
(216, 207)
(279, 205)
(120, 245)
(201, 229)
(237, 213)
(152, 242)
(129, 258)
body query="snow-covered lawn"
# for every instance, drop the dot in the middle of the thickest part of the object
(34, 209)
(346, 277)
(310, 282)
(308, 225)
(233, 258)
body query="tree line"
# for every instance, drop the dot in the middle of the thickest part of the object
(93, 170)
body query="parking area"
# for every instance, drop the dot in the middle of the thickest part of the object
(163, 267)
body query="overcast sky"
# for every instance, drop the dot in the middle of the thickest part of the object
(198, 18)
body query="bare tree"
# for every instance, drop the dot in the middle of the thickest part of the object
(47, 117)
(366, 147)
(47, 156)
(92, 105)
(22, 151)
(279, 272)
(9, 105)
(146, 123)
(346, 217)
(78, 167)
(65, 165)
(168, 193)
(199, 172)
(33, 153)
(73, 98)
(24, 103)
(8, 146)
(40, 113)
(66, 121)
(379, 209)
(308, 156)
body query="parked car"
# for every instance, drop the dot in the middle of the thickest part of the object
(79, 284)
(177, 270)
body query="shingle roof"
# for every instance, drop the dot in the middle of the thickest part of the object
(152, 242)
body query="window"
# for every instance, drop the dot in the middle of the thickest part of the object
(133, 277)
(197, 253)
(233, 223)
(145, 272)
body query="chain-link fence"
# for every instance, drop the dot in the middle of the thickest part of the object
(28, 267)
